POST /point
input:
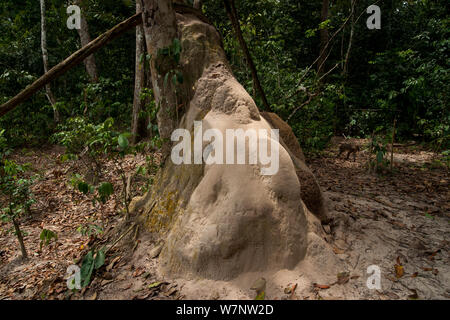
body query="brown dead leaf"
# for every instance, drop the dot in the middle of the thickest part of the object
(392, 296)
(93, 297)
(114, 261)
(338, 250)
(399, 271)
(414, 275)
(431, 256)
(138, 272)
(171, 292)
(294, 287)
(321, 286)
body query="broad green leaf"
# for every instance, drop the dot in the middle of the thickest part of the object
(83, 187)
(99, 259)
(106, 189)
(87, 266)
(379, 156)
(179, 77)
(176, 46)
(174, 80)
(123, 141)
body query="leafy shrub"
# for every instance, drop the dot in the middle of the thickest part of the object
(15, 189)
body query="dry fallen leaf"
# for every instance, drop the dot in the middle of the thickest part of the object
(338, 250)
(399, 270)
(293, 291)
(138, 272)
(154, 285)
(321, 286)
(111, 265)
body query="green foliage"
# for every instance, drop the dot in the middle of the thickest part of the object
(32, 122)
(97, 142)
(173, 51)
(446, 158)
(378, 147)
(401, 69)
(77, 135)
(15, 186)
(16, 193)
(91, 261)
(169, 57)
(123, 142)
(4, 146)
(90, 229)
(105, 99)
(105, 190)
(46, 236)
(101, 193)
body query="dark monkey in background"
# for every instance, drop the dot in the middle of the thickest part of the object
(350, 148)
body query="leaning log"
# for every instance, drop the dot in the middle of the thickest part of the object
(71, 61)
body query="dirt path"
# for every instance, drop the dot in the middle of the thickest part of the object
(385, 221)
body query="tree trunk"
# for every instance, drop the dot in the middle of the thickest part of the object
(149, 122)
(350, 40)
(198, 4)
(324, 37)
(85, 38)
(160, 31)
(139, 79)
(234, 18)
(48, 89)
(20, 238)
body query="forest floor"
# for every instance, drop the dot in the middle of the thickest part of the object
(399, 222)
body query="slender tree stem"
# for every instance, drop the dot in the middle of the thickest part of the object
(232, 14)
(20, 238)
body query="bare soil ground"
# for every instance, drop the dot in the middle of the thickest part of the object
(394, 219)
(399, 222)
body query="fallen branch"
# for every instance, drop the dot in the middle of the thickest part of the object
(120, 238)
